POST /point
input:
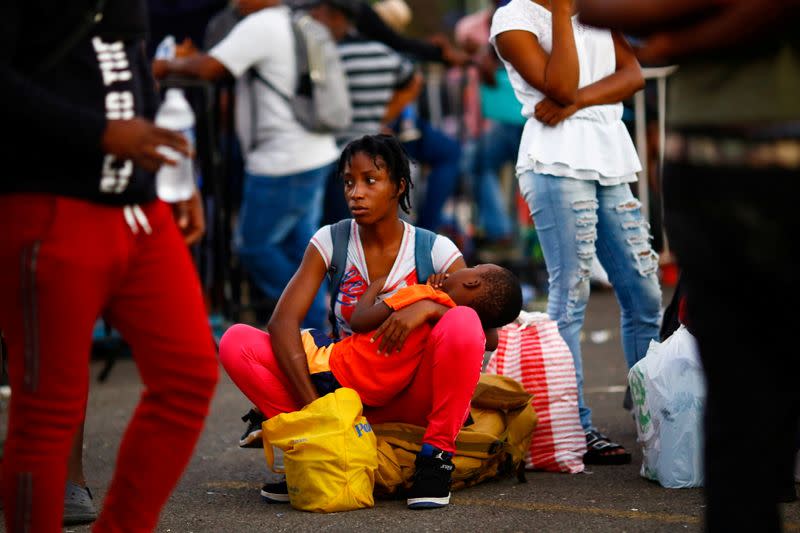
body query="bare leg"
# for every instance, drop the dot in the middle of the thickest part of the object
(78, 505)
(75, 464)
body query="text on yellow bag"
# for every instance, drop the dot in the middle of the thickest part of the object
(330, 453)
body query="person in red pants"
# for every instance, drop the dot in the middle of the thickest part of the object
(82, 233)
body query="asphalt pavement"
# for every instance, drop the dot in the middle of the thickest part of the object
(220, 489)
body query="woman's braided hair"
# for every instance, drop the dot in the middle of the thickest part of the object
(389, 149)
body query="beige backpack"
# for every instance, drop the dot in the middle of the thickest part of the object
(493, 444)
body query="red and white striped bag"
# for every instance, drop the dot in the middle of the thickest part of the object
(532, 352)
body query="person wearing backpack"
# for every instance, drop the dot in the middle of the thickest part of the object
(376, 181)
(284, 117)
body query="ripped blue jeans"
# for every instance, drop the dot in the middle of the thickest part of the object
(574, 220)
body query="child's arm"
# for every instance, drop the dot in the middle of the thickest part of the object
(368, 315)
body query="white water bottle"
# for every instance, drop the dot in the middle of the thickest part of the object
(176, 183)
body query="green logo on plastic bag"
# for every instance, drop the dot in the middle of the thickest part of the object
(638, 394)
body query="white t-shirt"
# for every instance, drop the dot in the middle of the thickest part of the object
(264, 40)
(356, 275)
(593, 143)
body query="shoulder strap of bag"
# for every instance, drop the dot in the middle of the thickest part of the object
(301, 57)
(90, 18)
(301, 61)
(423, 247)
(340, 235)
(257, 76)
(251, 94)
(253, 74)
(301, 51)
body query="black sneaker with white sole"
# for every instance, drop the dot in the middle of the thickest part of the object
(432, 478)
(251, 438)
(275, 492)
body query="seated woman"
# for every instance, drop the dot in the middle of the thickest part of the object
(272, 369)
(359, 362)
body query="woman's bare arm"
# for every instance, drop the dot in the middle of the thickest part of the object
(635, 17)
(622, 84)
(393, 332)
(284, 327)
(679, 29)
(201, 66)
(555, 74)
(402, 97)
(626, 80)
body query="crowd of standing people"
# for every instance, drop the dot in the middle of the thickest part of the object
(83, 234)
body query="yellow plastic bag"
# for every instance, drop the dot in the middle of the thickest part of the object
(330, 453)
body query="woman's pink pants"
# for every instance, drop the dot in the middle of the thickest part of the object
(437, 398)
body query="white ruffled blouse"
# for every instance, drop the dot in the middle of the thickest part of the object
(592, 144)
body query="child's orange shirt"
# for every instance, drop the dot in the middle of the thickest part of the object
(356, 363)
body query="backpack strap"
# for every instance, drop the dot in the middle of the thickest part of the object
(423, 247)
(302, 54)
(301, 60)
(257, 76)
(340, 235)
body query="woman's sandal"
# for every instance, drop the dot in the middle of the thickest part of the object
(598, 446)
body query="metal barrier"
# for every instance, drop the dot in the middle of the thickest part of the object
(659, 74)
(213, 254)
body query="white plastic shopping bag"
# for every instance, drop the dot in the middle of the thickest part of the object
(669, 391)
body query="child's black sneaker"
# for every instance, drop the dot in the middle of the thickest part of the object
(431, 486)
(251, 438)
(275, 492)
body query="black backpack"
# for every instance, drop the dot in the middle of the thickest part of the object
(340, 234)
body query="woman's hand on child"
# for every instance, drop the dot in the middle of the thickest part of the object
(399, 325)
(436, 280)
(395, 330)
